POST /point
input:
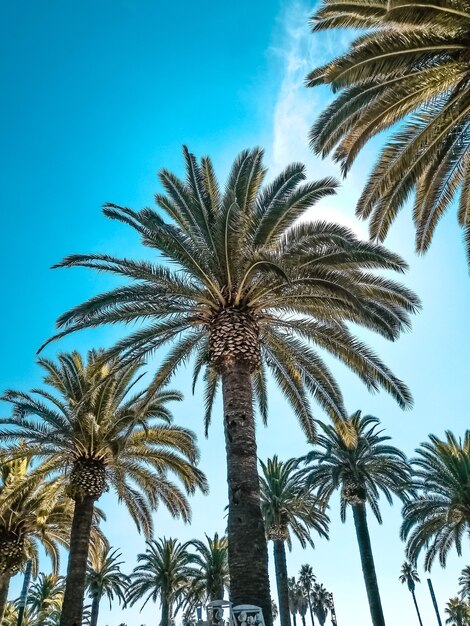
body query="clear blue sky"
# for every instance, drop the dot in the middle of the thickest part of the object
(96, 96)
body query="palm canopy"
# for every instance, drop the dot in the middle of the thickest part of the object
(439, 516)
(464, 583)
(209, 573)
(359, 462)
(457, 612)
(46, 595)
(245, 281)
(409, 70)
(96, 433)
(289, 507)
(307, 577)
(409, 575)
(104, 576)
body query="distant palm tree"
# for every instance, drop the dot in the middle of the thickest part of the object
(321, 602)
(163, 572)
(409, 63)
(246, 287)
(360, 463)
(409, 575)
(439, 515)
(293, 591)
(208, 575)
(458, 613)
(464, 582)
(289, 509)
(98, 435)
(104, 577)
(307, 579)
(46, 597)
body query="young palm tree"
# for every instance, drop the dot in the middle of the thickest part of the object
(361, 464)
(411, 64)
(464, 582)
(289, 508)
(209, 571)
(247, 287)
(458, 613)
(308, 579)
(46, 597)
(439, 514)
(321, 603)
(163, 572)
(409, 575)
(98, 435)
(104, 577)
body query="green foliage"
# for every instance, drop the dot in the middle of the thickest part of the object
(409, 575)
(408, 71)
(458, 613)
(464, 582)
(439, 516)
(104, 576)
(208, 576)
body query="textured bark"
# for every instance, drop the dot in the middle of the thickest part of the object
(309, 596)
(280, 564)
(367, 561)
(4, 586)
(72, 608)
(165, 621)
(24, 592)
(95, 609)
(247, 548)
(417, 608)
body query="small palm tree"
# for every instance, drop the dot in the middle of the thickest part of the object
(308, 579)
(439, 515)
(464, 582)
(208, 576)
(97, 435)
(46, 597)
(458, 613)
(289, 509)
(293, 598)
(104, 577)
(360, 463)
(321, 603)
(163, 572)
(410, 63)
(248, 288)
(409, 575)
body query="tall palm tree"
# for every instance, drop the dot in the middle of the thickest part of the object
(98, 435)
(104, 577)
(321, 602)
(46, 596)
(438, 516)
(289, 509)
(360, 463)
(308, 579)
(208, 577)
(408, 70)
(458, 613)
(464, 582)
(293, 598)
(162, 573)
(33, 513)
(247, 288)
(409, 575)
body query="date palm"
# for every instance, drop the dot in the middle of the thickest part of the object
(458, 613)
(241, 286)
(464, 582)
(408, 70)
(438, 517)
(104, 577)
(93, 431)
(409, 575)
(46, 597)
(361, 464)
(162, 573)
(290, 509)
(308, 579)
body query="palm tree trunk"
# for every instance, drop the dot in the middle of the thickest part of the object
(280, 565)
(247, 548)
(95, 609)
(310, 607)
(72, 608)
(304, 623)
(4, 586)
(24, 592)
(417, 608)
(367, 561)
(294, 619)
(165, 621)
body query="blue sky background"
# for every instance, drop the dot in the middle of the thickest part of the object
(96, 98)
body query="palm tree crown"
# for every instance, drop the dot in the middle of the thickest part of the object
(464, 582)
(458, 613)
(209, 575)
(411, 64)
(409, 575)
(439, 516)
(45, 596)
(104, 577)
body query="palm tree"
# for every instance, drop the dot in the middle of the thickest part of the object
(208, 575)
(458, 613)
(321, 602)
(104, 577)
(251, 289)
(409, 575)
(411, 64)
(289, 508)
(360, 463)
(293, 598)
(464, 582)
(163, 572)
(439, 514)
(308, 579)
(46, 597)
(97, 435)
(33, 513)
